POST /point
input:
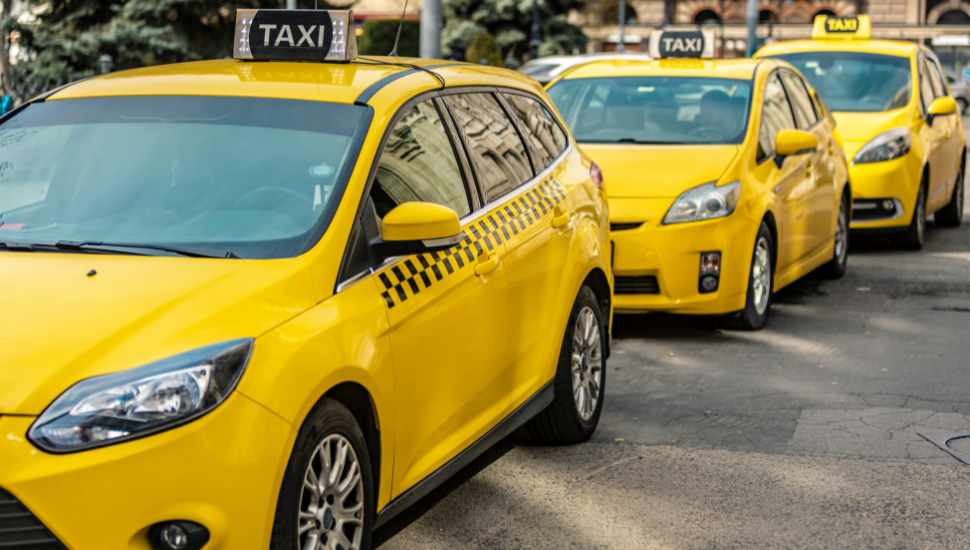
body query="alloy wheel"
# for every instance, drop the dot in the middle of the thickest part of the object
(761, 275)
(332, 503)
(842, 235)
(587, 363)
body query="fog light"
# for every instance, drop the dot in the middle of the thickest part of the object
(888, 205)
(708, 283)
(178, 535)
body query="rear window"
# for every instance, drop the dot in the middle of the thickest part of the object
(856, 81)
(654, 109)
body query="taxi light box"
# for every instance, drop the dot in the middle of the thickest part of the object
(311, 35)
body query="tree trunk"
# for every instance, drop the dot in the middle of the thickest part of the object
(5, 73)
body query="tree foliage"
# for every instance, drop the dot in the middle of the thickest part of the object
(73, 34)
(379, 34)
(482, 48)
(510, 22)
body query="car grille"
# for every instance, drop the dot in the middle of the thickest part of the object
(21, 530)
(636, 285)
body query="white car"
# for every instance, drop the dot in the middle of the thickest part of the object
(546, 69)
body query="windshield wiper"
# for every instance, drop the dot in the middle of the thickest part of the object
(125, 247)
(100, 247)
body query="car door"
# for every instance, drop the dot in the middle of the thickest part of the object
(521, 206)
(448, 325)
(937, 136)
(787, 182)
(820, 172)
(541, 213)
(950, 157)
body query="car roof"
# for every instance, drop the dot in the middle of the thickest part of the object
(742, 69)
(315, 81)
(888, 47)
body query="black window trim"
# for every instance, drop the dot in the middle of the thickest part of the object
(346, 280)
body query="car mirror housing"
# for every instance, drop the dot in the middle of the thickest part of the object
(793, 142)
(941, 106)
(416, 228)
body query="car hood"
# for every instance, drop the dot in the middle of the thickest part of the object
(853, 130)
(658, 171)
(61, 325)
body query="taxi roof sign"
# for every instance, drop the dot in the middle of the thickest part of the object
(829, 27)
(312, 35)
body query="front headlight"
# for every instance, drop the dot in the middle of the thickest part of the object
(138, 402)
(704, 202)
(888, 145)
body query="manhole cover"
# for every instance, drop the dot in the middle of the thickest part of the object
(957, 444)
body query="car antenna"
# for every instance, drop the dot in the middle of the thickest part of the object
(399, 25)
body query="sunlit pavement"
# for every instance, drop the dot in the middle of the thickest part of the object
(803, 435)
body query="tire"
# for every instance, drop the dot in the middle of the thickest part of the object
(915, 234)
(835, 268)
(961, 105)
(951, 215)
(329, 431)
(757, 305)
(580, 378)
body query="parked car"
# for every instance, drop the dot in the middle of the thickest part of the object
(546, 69)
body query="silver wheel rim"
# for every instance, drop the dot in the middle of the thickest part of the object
(841, 235)
(959, 193)
(332, 500)
(761, 275)
(587, 363)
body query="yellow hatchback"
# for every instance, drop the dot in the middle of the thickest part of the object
(725, 181)
(256, 303)
(897, 122)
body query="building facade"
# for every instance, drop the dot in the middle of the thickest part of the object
(922, 20)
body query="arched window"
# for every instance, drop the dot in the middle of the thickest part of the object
(706, 17)
(954, 17)
(767, 16)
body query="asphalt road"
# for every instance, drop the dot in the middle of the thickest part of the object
(803, 435)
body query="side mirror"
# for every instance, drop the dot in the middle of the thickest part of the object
(941, 106)
(793, 142)
(418, 227)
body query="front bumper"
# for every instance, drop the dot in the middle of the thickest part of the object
(895, 180)
(222, 471)
(672, 254)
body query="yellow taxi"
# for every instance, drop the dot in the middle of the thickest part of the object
(897, 122)
(725, 182)
(259, 303)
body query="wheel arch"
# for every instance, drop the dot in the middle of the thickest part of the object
(597, 281)
(362, 407)
(769, 218)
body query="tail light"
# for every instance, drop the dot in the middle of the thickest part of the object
(597, 175)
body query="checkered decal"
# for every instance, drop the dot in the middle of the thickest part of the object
(418, 272)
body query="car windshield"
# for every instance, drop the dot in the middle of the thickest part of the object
(855, 81)
(654, 109)
(250, 177)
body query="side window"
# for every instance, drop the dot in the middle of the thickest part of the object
(419, 164)
(801, 102)
(926, 92)
(548, 139)
(775, 116)
(494, 145)
(938, 79)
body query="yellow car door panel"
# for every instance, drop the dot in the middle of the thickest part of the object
(448, 309)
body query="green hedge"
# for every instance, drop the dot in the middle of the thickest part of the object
(378, 37)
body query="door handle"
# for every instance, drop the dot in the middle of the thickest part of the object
(947, 133)
(486, 266)
(808, 170)
(559, 218)
(831, 145)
